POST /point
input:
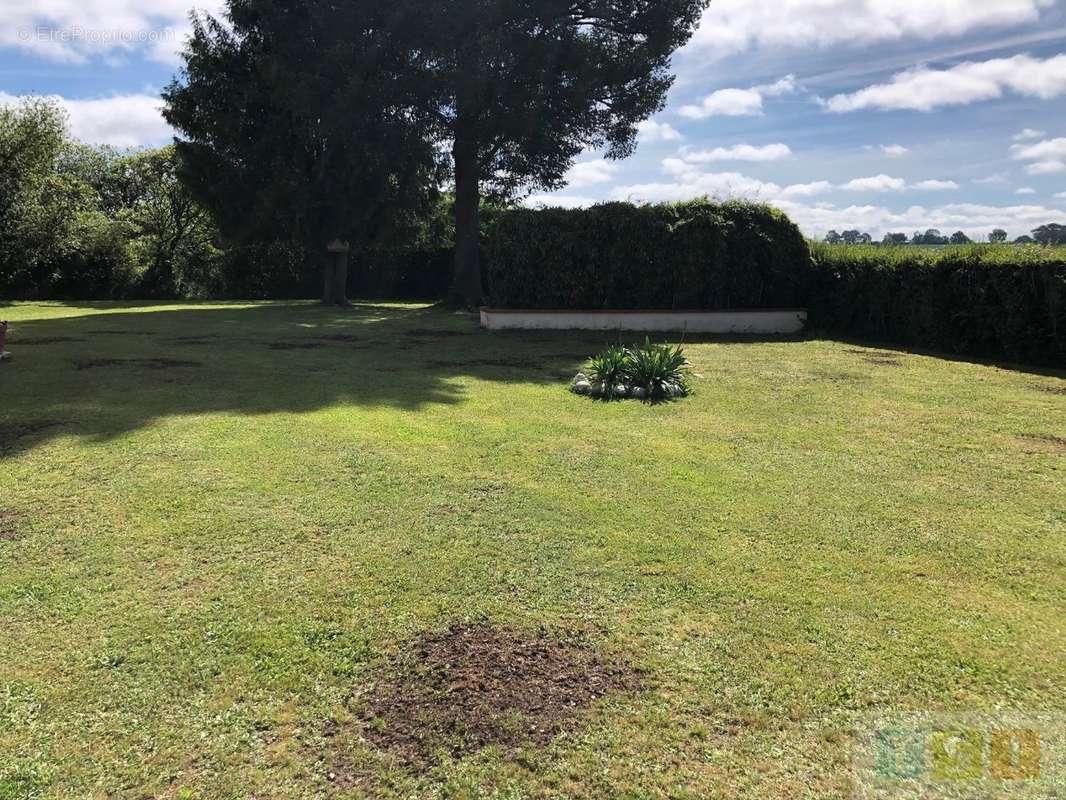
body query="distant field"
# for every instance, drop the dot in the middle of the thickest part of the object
(221, 526)
(990, 253)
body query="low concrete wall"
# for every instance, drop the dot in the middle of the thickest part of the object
(789, 320)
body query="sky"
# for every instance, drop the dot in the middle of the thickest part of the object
(877, 115)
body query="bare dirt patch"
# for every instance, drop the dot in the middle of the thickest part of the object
(8, 526)
(30, 341)
(880, 361)
(342, 338)
(313, 345)
(433, 333)
(122, 333)
(858, 351)
(497, 363)
(477, 686)
(1055, 442)
(1050, 389)
(197, 340)
(147, 363)
(12, 431)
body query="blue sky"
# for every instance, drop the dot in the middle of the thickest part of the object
(882, 115)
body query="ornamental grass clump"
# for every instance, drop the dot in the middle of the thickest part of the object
(661, 370)
(650, 372)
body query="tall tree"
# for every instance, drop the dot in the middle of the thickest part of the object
(960, 237)
(306, 119)
(998, 236)
(524, 86)
(1053, 233)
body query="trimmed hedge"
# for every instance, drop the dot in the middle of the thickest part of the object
(997, 301)
(696, 255)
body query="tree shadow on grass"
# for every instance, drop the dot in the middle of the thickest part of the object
(119, 368)
(114, 370)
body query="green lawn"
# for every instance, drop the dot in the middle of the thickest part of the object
(209, 554)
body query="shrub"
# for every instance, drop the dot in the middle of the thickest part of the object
(695, 255)
(658, 368)
(979, 300)
(648, 372)
(610, 369)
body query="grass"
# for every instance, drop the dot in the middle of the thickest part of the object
(231, 514)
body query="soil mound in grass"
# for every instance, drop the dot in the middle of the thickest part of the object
(1055, 442)
(477, 686)
(8, 526)
(30, 341)
(11, 431)
(147, 363)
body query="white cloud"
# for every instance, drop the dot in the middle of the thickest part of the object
(1060, 196)
(689, 181)
(935, 186)
(739, 102)
(1048, 157)
(894, 150)
(75, 32)
(973, 219)
(733, 26)
(1029, 133)
(739, 152)
(999, 177)
(1042, 151)
(650, 131)
(726, 103)
(1026, 190)
(806, 189)
(686, 181)
(1046, 168)
(925, 89)
(787, 85)
(590, 173)
(876, 183)
(121, 121)
(559, 201)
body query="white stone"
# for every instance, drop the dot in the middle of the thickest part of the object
(580, 378)
(639, 393)
(582, 387)
(620, 391)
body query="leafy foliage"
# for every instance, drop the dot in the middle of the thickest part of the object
(978, 300)
(696, 255)
(657, 368)
(522, 88)
(611, 369)
(305, 121)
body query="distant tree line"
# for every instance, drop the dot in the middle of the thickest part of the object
(1050, 234)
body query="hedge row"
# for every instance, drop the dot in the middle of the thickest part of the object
(696, 255)
(995, 301)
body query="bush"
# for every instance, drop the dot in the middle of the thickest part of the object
(659, 369)
(695, 255)
(980, 300)
(653, 372)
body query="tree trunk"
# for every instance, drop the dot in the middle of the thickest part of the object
(335, 278)
(327, 282)
(340, 279)
(466, 284)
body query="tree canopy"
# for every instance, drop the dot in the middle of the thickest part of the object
(522, 87)
(307, 120)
